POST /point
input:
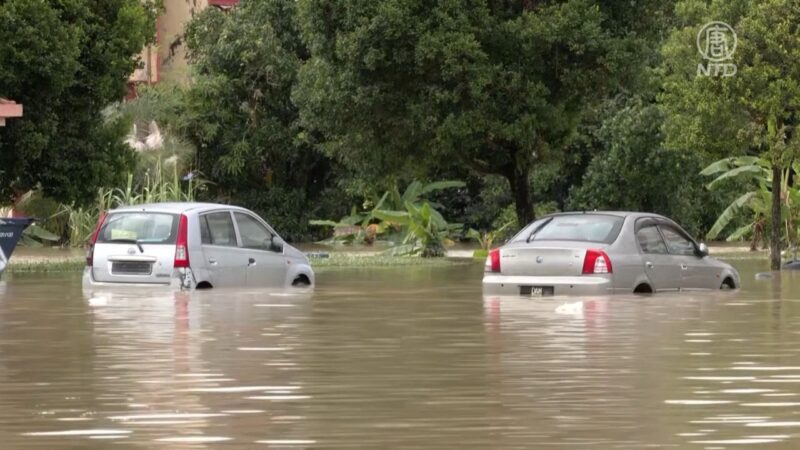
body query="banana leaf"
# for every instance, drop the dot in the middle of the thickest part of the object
(741, 232)
(729, 214)
(441, 185)
(755, 171)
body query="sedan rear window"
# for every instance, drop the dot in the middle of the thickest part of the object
(142, 227)
(584, 227)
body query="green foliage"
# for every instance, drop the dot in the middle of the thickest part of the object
(65, 61)
(401, 87)
(426, 232)
(487, 239)
(81, 221)
(412, 216)
(285, 209)
(752, 112)
(754, 206)
(36, 236)
(239, 115)
(158, 186)
(358, 261)
(44, 210)
(160, 106)
(48, 265)
(634, 172)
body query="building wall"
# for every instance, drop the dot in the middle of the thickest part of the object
(171, 41)
(166, 61)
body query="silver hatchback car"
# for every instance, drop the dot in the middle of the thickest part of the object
(191, 245)
(602, 253)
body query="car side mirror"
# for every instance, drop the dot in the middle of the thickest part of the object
(276, 245)
(702, 250)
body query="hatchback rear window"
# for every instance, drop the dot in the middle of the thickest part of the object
(583, 227)
(143, 227)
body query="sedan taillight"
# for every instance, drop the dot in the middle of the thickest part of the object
(493, 261)
(596, 262)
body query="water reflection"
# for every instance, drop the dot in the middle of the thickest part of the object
(398, 358)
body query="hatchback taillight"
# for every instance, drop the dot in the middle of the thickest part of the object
(182, 243)
(93, 239)
(596, 262)
(493, 261)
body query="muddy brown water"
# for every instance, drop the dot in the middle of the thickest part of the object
(397, 358)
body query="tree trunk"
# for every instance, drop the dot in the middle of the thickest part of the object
(520, 189)
(775, 232)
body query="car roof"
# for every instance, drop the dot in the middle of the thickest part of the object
(623, 214)
(175, 207)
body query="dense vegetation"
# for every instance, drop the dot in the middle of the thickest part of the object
(308, 111)
(65, 61)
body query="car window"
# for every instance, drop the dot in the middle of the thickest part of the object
(217, 229)
(650, 240)
(526, 232)
(677, 243)
(580, 227)
(253, 233)
(145, 227)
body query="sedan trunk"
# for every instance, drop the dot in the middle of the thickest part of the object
(551, 259)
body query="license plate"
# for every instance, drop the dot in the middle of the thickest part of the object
(131, 268)
(537, 291)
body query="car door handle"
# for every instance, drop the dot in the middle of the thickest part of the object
(648, 264)
(212, 261)
(684, 267)
(251, 262)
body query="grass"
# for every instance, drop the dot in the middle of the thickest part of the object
(342, 260)
(44, 265)
(345, 260)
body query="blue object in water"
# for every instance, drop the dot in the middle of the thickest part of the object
(10, 232)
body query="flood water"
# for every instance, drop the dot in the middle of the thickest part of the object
(396, 358)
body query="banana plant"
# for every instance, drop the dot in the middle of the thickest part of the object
(486, 239)
(355, 228)
(366, 226)
(756, 203)
(427, 233)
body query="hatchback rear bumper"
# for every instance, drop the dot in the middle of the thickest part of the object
(173, 283)
(523, 285)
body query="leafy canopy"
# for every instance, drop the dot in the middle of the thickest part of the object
(409, 85)
(65, 61)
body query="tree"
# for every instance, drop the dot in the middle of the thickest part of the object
(753, 112)
(65, 61)
(500, 86)
(634, 172)
(240, 116)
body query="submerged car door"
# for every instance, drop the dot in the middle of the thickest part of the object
(696, 273)
(225, 261)
(662, 270)
(267, 266)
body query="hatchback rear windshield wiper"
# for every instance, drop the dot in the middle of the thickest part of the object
(127, 241)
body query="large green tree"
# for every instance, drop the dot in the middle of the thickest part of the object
(753, 112)
(239, 112)
(496, 85)
(66, 60)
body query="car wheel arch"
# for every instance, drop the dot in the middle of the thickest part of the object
(728, 283)
(301, 280)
